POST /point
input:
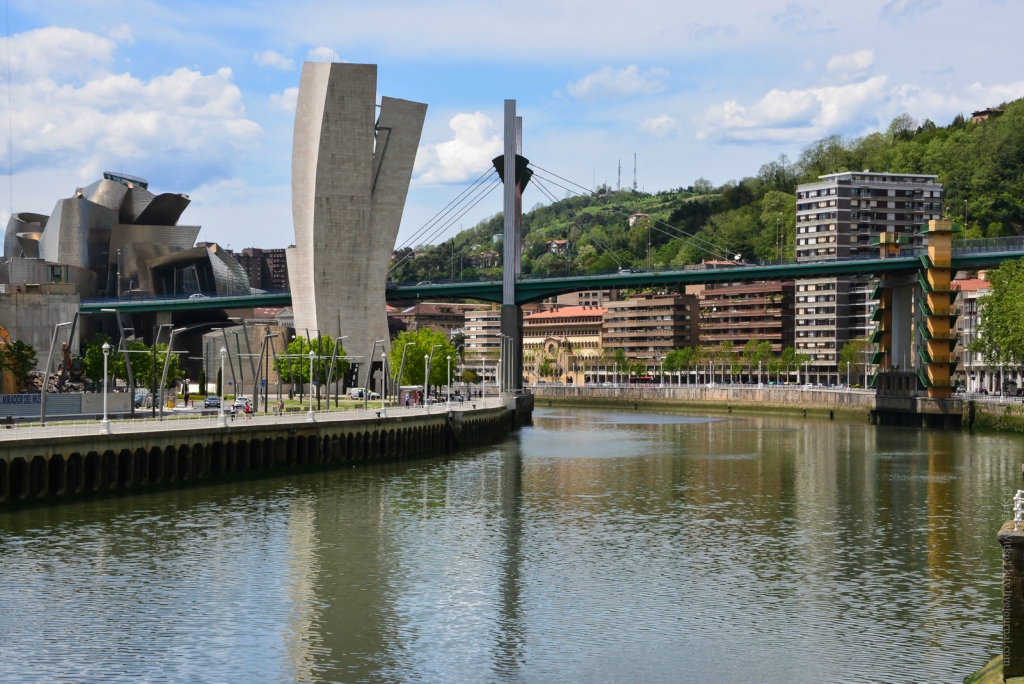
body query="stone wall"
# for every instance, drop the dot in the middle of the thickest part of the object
(746, 398)
(30, 317)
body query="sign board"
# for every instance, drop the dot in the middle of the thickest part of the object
(263, 382)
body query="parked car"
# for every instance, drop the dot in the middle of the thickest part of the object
(374, 395)
(198, 296)
(139, 398)
(212, 401)
(240, 403)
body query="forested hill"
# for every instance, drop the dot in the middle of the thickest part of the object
(981, 166)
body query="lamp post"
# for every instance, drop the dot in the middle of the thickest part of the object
(426, 379)
(220, 404)
(430, 363)
(384, 368)
(759, 383)
(807, 375)
(449, 379)
(310, 416)
(105, 424)
(401, 371)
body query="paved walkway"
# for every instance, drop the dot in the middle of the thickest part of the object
(201, 422)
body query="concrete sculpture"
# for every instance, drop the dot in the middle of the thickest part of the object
(350, 176)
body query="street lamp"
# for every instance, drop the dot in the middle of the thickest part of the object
(104, 424)
(449, 379)
(426, 379)
(430, 363)
(310, 415)
(385, 367)
(401, 370)
(220, 404)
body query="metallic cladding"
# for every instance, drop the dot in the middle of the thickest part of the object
(22, 222)
(164, 210)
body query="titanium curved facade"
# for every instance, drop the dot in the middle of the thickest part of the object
(107, 237)
(22, 222)
(350, 177)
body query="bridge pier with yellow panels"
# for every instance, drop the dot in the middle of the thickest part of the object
(936, 320)
(914, 320)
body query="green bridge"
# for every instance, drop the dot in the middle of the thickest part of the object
(536, 289)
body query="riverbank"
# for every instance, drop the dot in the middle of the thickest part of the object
(794, 401)
(63, 462)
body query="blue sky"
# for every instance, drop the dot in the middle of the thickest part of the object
(198, 97)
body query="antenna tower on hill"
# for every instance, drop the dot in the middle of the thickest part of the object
(618, 182)
(634, 172)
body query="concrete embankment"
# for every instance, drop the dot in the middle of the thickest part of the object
(65, 462)
(993, 415)
(791, 400)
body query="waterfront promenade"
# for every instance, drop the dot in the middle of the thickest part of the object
(63, 460)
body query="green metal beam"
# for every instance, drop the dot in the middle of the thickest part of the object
(535, 289)
(93, 306)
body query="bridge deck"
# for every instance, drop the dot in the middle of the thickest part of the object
(535, 289)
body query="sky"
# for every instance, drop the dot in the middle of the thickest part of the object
(199, 97)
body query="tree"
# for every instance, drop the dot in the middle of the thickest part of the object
(852, 355)
(296, 361)
(546, 367)
(469, 376)
(202, 381)
(92, 360)
(423, 340)
(19, 358)
(788, 361)
(1000, 335)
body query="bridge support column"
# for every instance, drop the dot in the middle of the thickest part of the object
(512, 362)
(936, 337)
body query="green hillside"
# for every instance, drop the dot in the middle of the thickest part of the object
(981, 166)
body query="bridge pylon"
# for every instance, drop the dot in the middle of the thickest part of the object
(513, 169)
(936, 339)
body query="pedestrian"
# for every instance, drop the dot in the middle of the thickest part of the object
(248, 411)
(280, 407)
(407, 401)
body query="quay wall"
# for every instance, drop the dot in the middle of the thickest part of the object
(50, 466)
(816, 401)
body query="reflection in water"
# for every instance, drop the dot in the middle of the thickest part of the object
(595, 546)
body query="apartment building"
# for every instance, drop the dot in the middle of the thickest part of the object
(837, 216)
(975, 372)
(483, 346)
(739, 313)
(267, 268)
(649, 326)
(588, 298)
(444, 316)
(822, 325)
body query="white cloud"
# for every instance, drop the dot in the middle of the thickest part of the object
(321, 54)
(474, 144)
(272, 59)
(795, 115)
(122, 34)
(286, 100)
(852, 64)
(607, 83)
(897, 10)
(71, 111)
(659, 127)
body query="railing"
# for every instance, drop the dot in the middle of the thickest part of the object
(78, 428)
(988, 245)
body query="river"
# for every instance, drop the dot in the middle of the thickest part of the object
(596, 545)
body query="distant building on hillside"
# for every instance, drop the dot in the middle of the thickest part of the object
(986, 114)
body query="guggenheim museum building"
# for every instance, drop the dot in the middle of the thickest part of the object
(115, 238)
